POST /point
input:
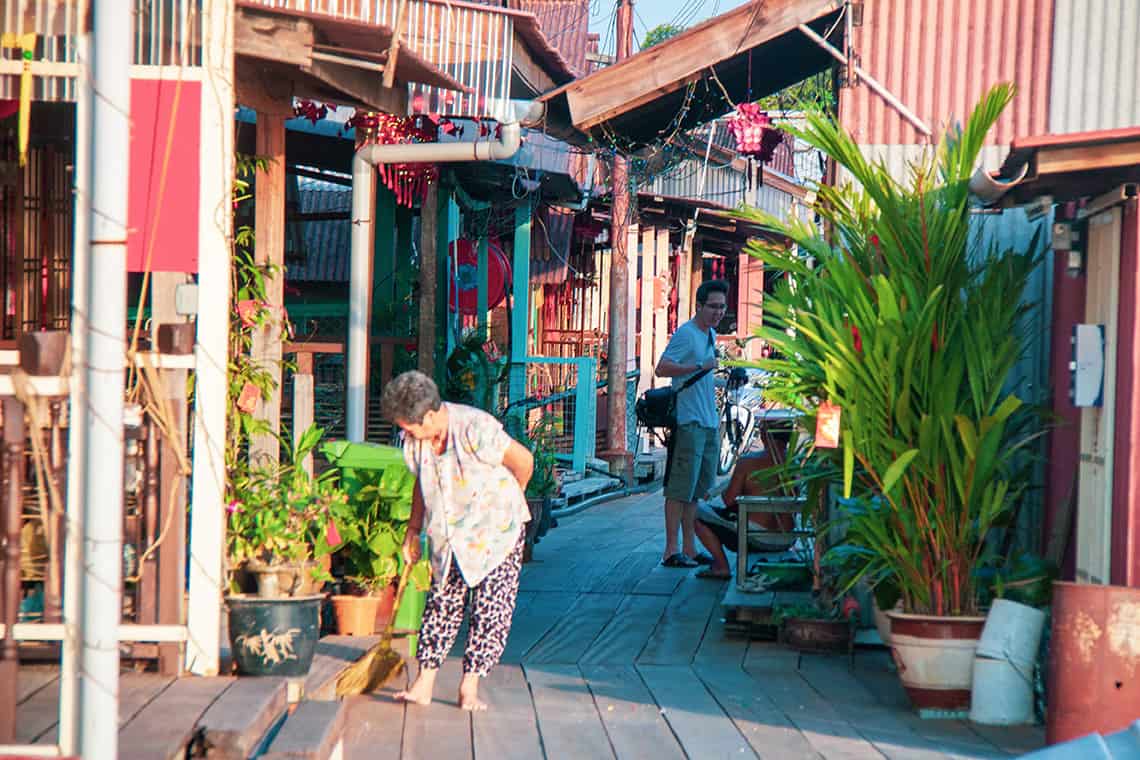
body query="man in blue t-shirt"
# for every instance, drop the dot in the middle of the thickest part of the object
(695, 445)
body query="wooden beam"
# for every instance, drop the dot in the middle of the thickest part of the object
(673, 64)
(269, 251)
(367, 87)
(273, 37)
(1087, 158)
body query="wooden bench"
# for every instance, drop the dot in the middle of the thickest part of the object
(766, 505)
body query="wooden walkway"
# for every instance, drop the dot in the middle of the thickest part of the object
(612, 655)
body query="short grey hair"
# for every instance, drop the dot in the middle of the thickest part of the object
(409, 397)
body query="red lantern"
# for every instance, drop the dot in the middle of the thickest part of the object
(754, 133)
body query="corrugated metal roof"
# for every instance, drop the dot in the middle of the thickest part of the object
(325, 246)
(566, 24)
(939, 56)
(1096, 66)
(473, 43)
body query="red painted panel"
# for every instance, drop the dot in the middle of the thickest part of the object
(1065, 439)
(1126, 451)
(163, 208)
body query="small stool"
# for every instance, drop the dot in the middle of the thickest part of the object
(769, 505)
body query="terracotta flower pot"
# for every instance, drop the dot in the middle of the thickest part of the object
(935, 658)
(355, 615)
(386, 608)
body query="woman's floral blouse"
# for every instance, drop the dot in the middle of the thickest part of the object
(474, 505)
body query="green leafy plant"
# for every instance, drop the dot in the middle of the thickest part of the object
(368, 529)
(249, 313)
(540, 439)
(277, 512)
(913, 332)
(475, 370)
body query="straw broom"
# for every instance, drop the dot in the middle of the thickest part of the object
(381, 663)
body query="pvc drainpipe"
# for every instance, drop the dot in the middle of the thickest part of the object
(102, 416)
(364, 164)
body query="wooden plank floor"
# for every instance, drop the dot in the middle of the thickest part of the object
(612, 655)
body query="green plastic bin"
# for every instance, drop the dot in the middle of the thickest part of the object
(349, 458)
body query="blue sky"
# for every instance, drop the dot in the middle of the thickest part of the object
(650, 13)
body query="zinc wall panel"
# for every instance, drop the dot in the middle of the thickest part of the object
(939, 56)
(1096, 66)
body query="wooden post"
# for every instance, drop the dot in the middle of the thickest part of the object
(172, 507)
(661, 298)
(648, 264)
(429, 265)
(269, 249)
(13, 492)
(684, 281)
(449, 231)
(148, 590)
(57, 463)
(303, 402)
(520, 301)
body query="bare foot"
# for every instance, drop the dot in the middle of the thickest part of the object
(420, 691)
(469, 694)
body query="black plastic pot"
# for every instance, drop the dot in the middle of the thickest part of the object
(274, 637)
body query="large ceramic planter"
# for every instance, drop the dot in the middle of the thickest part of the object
(273, 637)
(284, 578)
(935, 659)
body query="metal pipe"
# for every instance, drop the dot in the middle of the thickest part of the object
(76, 445)
(102, 416)
(365, 160)
(873, 83)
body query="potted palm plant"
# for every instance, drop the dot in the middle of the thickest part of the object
(544, 483)
(912, 333)
(276, 514)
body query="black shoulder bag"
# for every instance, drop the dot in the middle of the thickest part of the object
(657, 407)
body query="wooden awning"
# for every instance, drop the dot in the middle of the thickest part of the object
(747, 53)
(1071, 166)
(293, 54)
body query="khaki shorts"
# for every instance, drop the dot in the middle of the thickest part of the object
(693, 462)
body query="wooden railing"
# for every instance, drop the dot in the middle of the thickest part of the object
(33, 490)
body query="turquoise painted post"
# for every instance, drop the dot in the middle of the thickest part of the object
(482, 297)
(520, 307)
(585, 414)
(452, 235)
(383, 258)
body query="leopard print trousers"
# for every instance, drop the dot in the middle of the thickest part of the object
(492, 606)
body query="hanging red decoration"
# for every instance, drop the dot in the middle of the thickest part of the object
(754, 133)
(311, 110)
(408, 182)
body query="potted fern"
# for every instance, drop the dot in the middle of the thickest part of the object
(895, 318)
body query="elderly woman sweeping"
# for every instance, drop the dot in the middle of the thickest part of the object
(470, 494)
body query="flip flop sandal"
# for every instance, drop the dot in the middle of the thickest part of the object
(679, 560)
(713, 575)
(703, 559)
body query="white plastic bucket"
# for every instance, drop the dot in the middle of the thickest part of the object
(1012, 632)
(1001, 694)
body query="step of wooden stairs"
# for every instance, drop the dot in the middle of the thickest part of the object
(313, 731)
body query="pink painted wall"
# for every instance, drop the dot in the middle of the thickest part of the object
(1065, 439)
